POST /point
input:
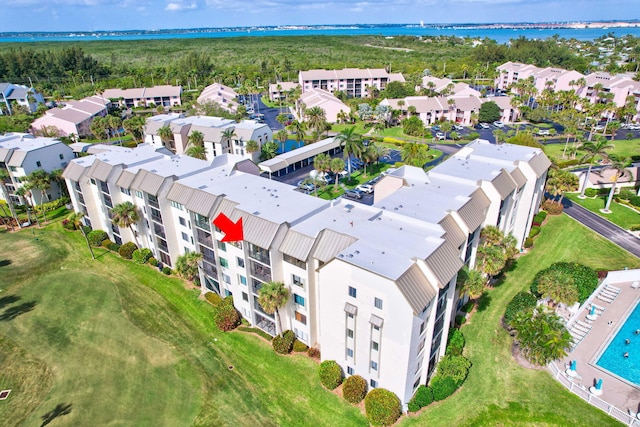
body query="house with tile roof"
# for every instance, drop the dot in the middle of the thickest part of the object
(74, 117)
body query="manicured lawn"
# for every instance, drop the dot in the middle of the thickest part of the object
(498, 391)
(123, 344)
(342, 126)
(620, 215)
(624, 148)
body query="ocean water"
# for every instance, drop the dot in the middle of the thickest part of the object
(613, 359)
(501, 35)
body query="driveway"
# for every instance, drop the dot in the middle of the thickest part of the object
(270, 114)
(606, 229)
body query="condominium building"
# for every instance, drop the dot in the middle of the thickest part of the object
(355, 82)
(21, 154)
(221, 136)
(333, 108)
(21, 95)
(74, 117)
(221, 95)
(279, 91)
(372, 286)
(165, 95)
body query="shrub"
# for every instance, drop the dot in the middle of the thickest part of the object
(468, 307)
(585, 278)
(635, 200)
(68, 225)
(354, 389)
(141, 256)
(166, 270)
(520, 302)
(299, 346)
(126, 250)
(96, 237)
(591, 192)
(382, 407)
(283, 344)
(626, 194)
(442, 387)
(213, 298)
(635, 227)
(535, 230)
(553, 208)
(313, 353)
(460, 320)
(106, 243)
(528, 242)
(390, 140)
(227, 317)
(455, 342)
(423, 397)
(114, 247)
(330, 374)
(540, 217)
(473, 135)
(153, 262)
(455, 367)
(256, 331)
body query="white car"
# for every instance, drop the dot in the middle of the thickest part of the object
(598, 127)
(458, 127)
(365, 188)
(544, 132)
(498, 124)
(484, 125)
(633, 127)
(440, 136)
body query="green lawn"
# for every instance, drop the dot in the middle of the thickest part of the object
(498, 391)
(620, 215)
(339, 127)
(623, 148)
(125, 345)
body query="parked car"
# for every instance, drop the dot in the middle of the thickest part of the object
(633, 127)
(435, 128)
(484, 125)
(544, 132)
(365, 188)
(353, 194)
(498, 124)
(440, 136)
(598, 127)
(458, 127)
(306, 186)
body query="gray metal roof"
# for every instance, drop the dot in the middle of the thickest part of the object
(17, 158)
(148, 182)
(330, 243)
(473, 212)
(376, 321)
(256, 230)
(504, 184)
(540, 164)
(5, 153)
(518, 177)
(350, 308)
(445, 263)
(200, 202)
(455, 235)
(100, 170)
(416, 289)
(73, 172)
(125, 179)
(180, 193)
(291, 157)
(297, 245)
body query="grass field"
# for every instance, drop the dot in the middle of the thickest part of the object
(620, 215)
(623, 148)
(111, 342)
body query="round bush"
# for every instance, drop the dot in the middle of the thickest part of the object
(520, 302)
(213, 298)
(114, 247)
(96, 237)
(126, 250)
(585, 278)
(423, 397)
(528, 242)
(313, 352)
(106, 243)
(591, 192)
(455, 343)
(354, 389)
(283, 344)
(455, 367)
(382, 407)
(442, 387)
(552, 208)
(330, 374)
(227, 317)
(166, 270)
(141, 256)
(153, 262)
(299, 346)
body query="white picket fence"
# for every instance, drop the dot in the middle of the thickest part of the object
(582, 392)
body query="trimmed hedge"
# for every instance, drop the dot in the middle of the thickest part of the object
(520, 302)
(166, 270)
(96, 237)
(114, 247)
(455, 342)
(382, 407)
(256, 331)
(585, 278)
(126, 250)
(454, 367)
(106, 243)
(299, 346)
(423, 397)
(553, 208)
(152, 262)
(213, 298)
(535, 230)
(227, 317)
(528, 242)
(540, 217)
(460, 320)
(283, 344)
(141, 256)
(354, 389)
(330, 374)
(442, 387)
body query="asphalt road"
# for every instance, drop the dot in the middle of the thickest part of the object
(608, 230)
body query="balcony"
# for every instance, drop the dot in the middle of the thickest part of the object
(259, 254)
(153, 201)
(156, 215)
(260, 271)
(210, 270)
(204, 238)
(104, 187)
(256, 285)
(159, 231)
(207, 254)
(202, 222)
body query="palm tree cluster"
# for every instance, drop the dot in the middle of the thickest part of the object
(196, 148)
(352, 145)
(126, 214)
(541, 335)
(495, 250)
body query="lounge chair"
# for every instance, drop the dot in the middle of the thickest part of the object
(635, 285)
(599, 309)
(613, 289)
(605, 299)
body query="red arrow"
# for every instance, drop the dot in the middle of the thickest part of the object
(232, 230)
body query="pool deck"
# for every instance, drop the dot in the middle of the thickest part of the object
(614, 391)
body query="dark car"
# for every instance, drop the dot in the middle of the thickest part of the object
(353, 194)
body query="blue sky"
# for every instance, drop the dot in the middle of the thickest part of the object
(87, 15)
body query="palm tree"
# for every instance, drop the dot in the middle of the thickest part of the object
(446, 128)
(252, 146)
(322, 163)
(336, 165)
(134, 126)
(560, 181)
(125, 215)
(269, 150)
(25, 192)
(197, 152)
(271, 297)
(297, 127)
(351, 144)
(369, 155)
(4, 175)
(40, 180)
(282, 135)
(166, 136)
(316, 117)
(619, 165)
(593, 149)
(196, 138)
(187, 265)
(227, 135)
(415, 154)
(471, 282)
(499, 135)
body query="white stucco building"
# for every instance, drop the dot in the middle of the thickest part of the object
(355, 82)
(372, 286)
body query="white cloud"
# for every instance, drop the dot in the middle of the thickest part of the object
(177, 6)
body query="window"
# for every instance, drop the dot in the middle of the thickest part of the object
(13, 168)
(125, 191)
(424, 324)
(138, 193)
(352, 292)
(93, 181)
(245, 296)
(416, 384)
(226, 278)
(373, 383)
(376, 328)
(240, 262)
(301, 318)
(298, 281)
(378, 303)
(374, 346)
(224, 263)
(349, 352)
(349, 333)
(185, 237)
(374, 365)
(183, 222)
(294, 261)
(222, 246)
(177, 205)
(39, 164)
(298, 299)
(61, 156)
(242, 279)
(350, 370)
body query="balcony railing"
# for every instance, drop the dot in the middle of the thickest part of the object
(154, 203)
(156, 218)
(204, 238)
(159, 230)
(256, 285)
(210, 270)
(202, 222)
(260, 271)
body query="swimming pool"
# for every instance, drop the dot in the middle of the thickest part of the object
(613, 359)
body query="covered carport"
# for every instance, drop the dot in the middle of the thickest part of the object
(299, 158)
